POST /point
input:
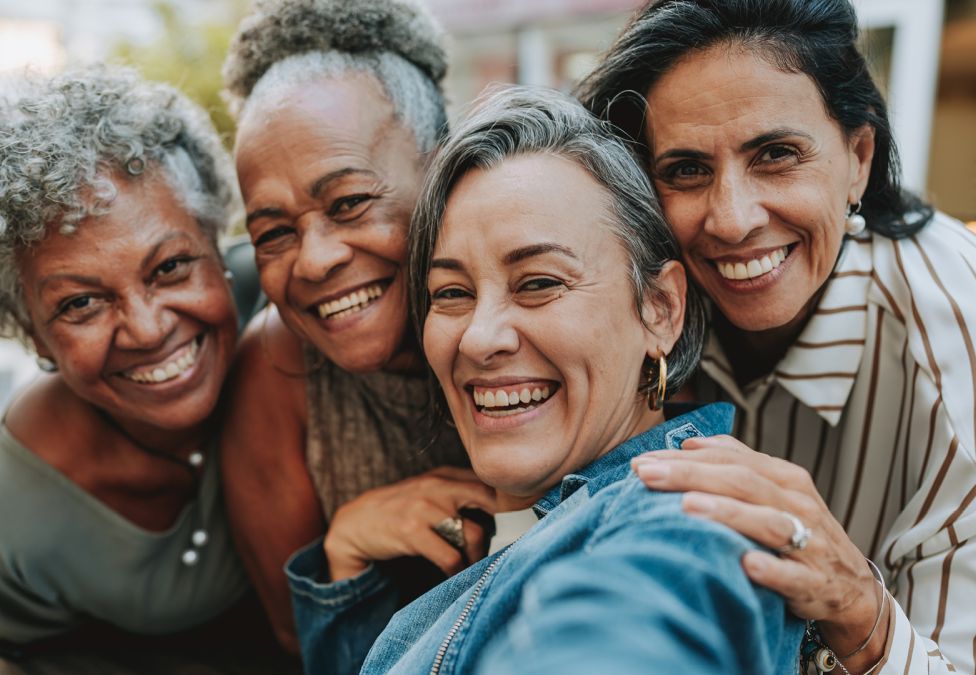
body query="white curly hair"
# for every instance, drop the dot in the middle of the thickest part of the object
(63, 139)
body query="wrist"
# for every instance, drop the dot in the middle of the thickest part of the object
(859, 640)
(343, 563)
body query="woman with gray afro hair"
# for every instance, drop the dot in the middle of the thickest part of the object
(112, 193)
(339, 105)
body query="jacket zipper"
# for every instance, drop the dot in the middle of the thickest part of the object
(462, 617)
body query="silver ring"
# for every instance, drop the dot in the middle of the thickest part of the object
(451, 530)
(800, 537)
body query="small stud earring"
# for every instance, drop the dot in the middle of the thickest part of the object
(229, 275)
(854, 223)
(46, 364)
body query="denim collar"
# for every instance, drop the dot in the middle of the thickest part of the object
(708, 420)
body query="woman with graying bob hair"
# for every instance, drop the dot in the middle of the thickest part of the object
(556, 320)
(841, 322)
(113, 191)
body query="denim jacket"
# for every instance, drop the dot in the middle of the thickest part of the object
(613, 578)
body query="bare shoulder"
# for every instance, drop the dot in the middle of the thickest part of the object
(265, 409)
(30, 417)
(268, 368)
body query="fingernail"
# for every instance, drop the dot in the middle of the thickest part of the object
(641, 460)
(698, 503)
(653, 472)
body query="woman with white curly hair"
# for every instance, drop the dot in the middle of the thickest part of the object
(338, 104)
(112, 193)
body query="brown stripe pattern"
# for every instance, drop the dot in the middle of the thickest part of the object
(877, 399)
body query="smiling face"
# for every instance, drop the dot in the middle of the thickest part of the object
(532, 332)
(134, 309)
(329, 179)
(755, 179)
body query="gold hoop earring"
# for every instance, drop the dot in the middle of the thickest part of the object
(655, 397)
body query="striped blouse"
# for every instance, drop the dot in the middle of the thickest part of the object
(877, 399)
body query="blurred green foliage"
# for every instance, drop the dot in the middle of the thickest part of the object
(188, 55)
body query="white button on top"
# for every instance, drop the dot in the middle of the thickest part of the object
(196, 458)
(200, 538)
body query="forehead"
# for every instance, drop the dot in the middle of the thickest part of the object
(732, 92)
(319, 116)
(525, 199)
(143, 213)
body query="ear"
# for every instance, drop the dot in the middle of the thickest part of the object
(861, 155)
(40, 347)
(665, 323)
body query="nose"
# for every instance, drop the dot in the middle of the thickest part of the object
(322, 250)
(145, 324)
(734, 210)
(489, 335)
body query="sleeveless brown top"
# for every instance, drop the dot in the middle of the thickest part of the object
(366, 431)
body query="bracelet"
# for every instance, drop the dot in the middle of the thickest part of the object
(884, 599)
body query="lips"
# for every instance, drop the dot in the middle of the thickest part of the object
(752, 268)
(352, 302)
(174, 365)
(504, 401)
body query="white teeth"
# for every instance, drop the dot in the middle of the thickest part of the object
(176, 366)
(753, 268)
(500, 398)
(351, 303)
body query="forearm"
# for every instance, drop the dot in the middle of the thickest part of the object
(337, 622)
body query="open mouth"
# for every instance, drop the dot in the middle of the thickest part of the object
(177, 363)
(513, 400)
(353, 302)
(752, 269)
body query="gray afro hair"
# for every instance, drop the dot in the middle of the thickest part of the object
(289, 42)
(63, 139)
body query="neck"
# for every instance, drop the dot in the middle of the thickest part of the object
(647, 419)
(176, 442)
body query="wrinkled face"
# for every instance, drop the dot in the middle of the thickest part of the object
(755, 179)
(329, 179)
(532, 332)
(134, 308)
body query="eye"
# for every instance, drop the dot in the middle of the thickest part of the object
(540, 284)
(78, 308)
(350, 206)
(684, 174)
(276, 232)
(173, 268)
(775, 154)
(450, 293)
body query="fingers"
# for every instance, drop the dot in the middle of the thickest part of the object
(453, 488)
(726, 451)
(729, 480)
(475, 545)
(765, 525)
(432, 546)
(793, 580)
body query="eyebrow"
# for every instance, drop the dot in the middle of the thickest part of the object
(512, 257)
(159, 244)
(314, 191)
(751, 144)
(322, 182)
(77, 278)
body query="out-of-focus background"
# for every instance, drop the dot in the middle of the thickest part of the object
(922, 51)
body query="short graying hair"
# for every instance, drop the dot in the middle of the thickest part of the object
(63, 141)
(288, 42)
(515, 121)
